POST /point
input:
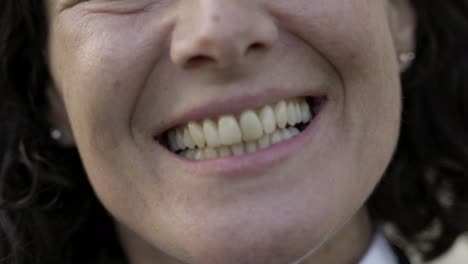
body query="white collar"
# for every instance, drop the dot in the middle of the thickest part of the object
(379, 251)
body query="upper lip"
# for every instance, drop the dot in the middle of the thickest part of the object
(236, 104)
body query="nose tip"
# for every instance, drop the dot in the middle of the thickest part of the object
(222, 41)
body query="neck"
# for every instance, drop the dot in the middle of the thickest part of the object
(347, 246)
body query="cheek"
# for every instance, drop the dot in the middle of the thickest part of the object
(100, 66)
(350, 34)
(100, 63)
(354, 36)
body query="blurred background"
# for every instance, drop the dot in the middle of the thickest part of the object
(458, 254)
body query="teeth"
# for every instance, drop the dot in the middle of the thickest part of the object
(229, 130)
(251, 126)
(224, 152)
(196, 132)
(276, 137)
(241, 148)
(211, 133)
(199, 155)
(292, 114)
(246, 132)
(267, 116)
(210, 153)
(188, 141)
(281, 112)
(189, 154)
(297, 106)
(305, 112)
(180, 138)
(238, 149)
(264, 142)
(251, 146)
(173, 141)
(285, 134)
(294, 131)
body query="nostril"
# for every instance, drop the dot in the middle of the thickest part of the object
(199, 60)
(255, 47)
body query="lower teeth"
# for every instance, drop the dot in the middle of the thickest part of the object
(276, 137)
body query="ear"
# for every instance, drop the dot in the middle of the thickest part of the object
(402, 22)
(57, 116)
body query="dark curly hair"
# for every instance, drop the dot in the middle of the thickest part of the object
(50, 214)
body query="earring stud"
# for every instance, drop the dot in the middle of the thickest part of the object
(56, 134)
(406, 58)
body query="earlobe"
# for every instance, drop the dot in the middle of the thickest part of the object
(402, 22)
(60, 129)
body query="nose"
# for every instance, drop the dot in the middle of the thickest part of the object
(220, 33)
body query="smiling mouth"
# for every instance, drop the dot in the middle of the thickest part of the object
(245, 132)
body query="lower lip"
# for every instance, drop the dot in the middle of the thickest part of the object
(249, 163)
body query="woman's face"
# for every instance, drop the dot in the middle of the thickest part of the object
(131, 71)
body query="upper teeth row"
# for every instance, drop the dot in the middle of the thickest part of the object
(248, 126)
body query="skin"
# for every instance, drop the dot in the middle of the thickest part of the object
(123, 69)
